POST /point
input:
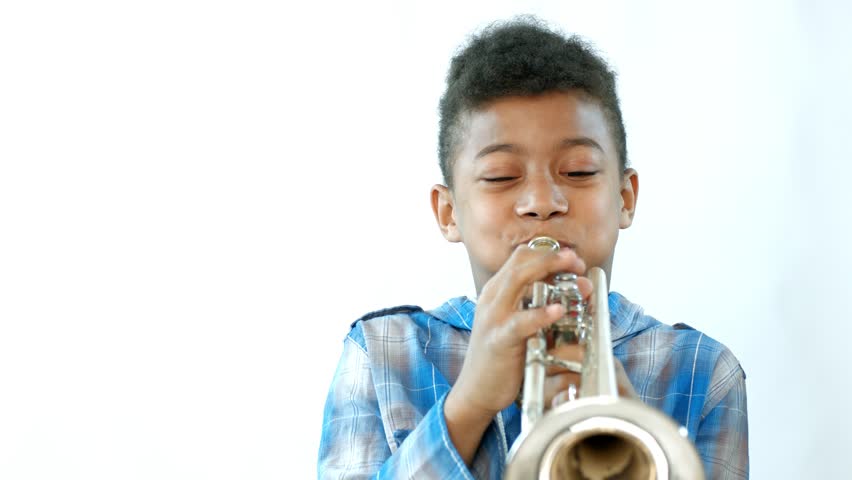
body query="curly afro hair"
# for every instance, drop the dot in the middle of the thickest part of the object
(522, 57)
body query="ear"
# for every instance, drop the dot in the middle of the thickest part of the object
(443, 208)
(629, 195)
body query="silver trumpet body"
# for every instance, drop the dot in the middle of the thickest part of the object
(599, 435)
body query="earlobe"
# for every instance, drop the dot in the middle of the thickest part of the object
(629, 195)
(442, 207)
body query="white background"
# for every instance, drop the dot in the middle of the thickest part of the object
(197, 198)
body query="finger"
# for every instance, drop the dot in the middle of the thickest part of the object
(585, 287)
(525, 323)
(569, 351)
(526, 266)
(554, 384)
(564, 396)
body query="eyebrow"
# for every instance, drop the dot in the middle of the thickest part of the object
(512, 148)
(497, 147)
(580, 141)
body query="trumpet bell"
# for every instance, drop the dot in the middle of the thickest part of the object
(602, 437)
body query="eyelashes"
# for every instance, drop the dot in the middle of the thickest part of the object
(505, 179)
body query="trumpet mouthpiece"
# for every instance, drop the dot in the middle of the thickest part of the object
(544, 243)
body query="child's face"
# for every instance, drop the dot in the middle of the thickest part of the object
(532, 166)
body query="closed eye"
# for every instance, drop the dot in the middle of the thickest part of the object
(499, 179)
(579, 174)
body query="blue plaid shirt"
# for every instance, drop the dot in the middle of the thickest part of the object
(384, 416)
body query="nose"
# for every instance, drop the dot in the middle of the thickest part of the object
(541, 199)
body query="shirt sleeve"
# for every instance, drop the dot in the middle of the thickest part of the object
(722, 437)
(355, 442)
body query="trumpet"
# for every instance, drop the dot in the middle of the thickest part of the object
(598, 435)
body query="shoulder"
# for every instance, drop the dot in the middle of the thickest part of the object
(447, 326)
(373, 323)
(703, 348)
(687, 338)
(384, 312)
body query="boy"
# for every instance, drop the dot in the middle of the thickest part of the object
(531, 144)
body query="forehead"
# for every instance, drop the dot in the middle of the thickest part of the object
(536, 123)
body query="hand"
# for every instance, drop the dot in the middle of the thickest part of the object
(493, 368)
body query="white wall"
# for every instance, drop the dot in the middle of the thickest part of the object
(197, 198)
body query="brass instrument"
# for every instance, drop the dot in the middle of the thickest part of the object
(598, 435)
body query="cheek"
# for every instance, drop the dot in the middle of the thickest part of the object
(488, 215)
(489, 230)
(600, 216)
(480, 222)
(600, 209)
